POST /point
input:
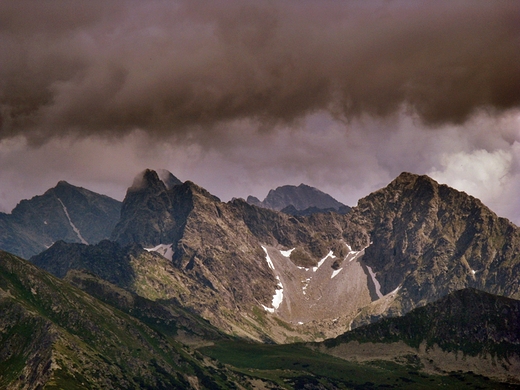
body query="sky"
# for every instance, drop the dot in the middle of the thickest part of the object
(244, 96)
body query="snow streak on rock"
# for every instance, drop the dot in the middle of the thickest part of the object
(333, 291)
(351, 256)
(267, 258)
(330, 254)
(277, 298)
(74, 228)
(376, 283)
(164, 250)
(278, 295)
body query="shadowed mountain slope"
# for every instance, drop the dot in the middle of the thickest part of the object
(467, 329)
(65, 212)
(54, 335)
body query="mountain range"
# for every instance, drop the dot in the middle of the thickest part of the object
(239, 276)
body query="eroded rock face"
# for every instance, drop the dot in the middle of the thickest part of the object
(217, 246)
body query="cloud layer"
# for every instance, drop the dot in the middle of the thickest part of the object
(242, 96)
(184, 68)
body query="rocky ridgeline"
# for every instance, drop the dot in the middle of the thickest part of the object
(250, 270)
(217, 247)
(182, 266)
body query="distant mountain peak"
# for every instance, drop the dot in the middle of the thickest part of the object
(300, 197)
(64, 212)
(63, 183)
(147, 179)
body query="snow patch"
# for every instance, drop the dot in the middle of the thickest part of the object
(268, 258)
(268, 309)
(287, 253)
(163, 249)
(355, 255)
(305, 285)
(395, 291)
(376, 283)
(330, 254)
(335, 273)
(74, 228)
(278, 295)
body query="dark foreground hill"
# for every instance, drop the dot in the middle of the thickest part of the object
(467, 330)
(55, 336)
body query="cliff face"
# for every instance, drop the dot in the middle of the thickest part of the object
(427, 240)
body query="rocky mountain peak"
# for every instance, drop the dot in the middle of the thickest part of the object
(154, 181)
(65, 212)
(63, 183)
(147, 180)
(168, 179)
(427, 239)
(300, 197)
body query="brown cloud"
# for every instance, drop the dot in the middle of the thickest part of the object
(168, 68)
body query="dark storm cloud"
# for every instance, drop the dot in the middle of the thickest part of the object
(165, 67)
